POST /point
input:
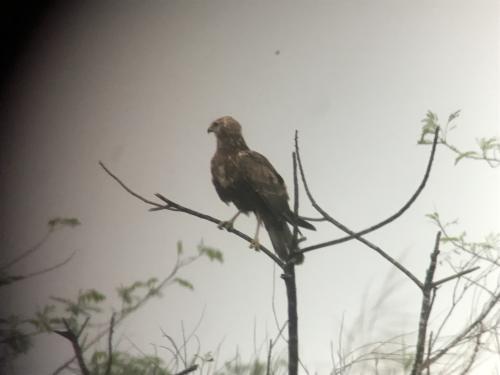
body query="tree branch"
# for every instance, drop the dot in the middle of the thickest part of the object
(455, 276)
(173, 206)
(73, 337)
(391, 218)
(339, 225)
(188, 370)
(425, 311)
(110, 345)
(167, 280)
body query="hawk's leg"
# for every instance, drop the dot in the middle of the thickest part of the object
(229, 223)
(254, 244)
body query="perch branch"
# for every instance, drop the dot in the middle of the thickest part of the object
(173, 206)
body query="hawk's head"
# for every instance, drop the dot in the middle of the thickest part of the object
(225, 126)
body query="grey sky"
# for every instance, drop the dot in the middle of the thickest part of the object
(137, 84)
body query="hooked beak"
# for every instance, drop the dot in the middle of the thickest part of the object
(211, 128)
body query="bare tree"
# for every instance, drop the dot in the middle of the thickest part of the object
(427, 287)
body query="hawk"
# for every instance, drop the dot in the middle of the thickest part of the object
(249, 181)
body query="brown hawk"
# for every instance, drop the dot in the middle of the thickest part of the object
(248, 180)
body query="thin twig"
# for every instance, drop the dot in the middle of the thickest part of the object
(8, 280)
(455, 276)
(295, 202)
(269, 353)
(188, 370)
(458, 338)
(27, 252)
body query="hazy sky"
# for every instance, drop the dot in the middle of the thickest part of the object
(136, 84)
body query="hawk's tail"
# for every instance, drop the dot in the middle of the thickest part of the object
(297, 220)
(281, 238)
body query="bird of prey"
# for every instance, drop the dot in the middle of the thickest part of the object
(248, 180)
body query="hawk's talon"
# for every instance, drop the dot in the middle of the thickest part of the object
(225, 225)
(254, 244)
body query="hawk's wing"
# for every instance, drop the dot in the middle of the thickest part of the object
(264, 181)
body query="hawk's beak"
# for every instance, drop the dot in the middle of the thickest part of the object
(211, 128)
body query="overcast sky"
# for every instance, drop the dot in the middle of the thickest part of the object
(136, 84)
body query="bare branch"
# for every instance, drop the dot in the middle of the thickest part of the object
(391, 218)
(8, 280)
(27, 252)
(339, 225)
(425, 311)
(455, 276)
(188, 370)
(173, 206)
(269, 353)
(473, 357)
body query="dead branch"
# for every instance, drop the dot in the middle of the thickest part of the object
(339, 225)
(173, 206)
(28, 251)
(428, 291)
(391, 218)
(455, 276)
(188, 370)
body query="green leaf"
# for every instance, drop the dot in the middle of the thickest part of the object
(487, 144)
(184, 283)
(211, 253)
(453, 116)
(463, 155)
(430, 125)
(433, 216)
(58, 222)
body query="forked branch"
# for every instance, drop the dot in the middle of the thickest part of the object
(391, 218)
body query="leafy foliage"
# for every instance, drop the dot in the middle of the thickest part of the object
(59, 222)
(135, 292)
(489, 148)
(211, 253)
(184, 283)
(14, 336)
